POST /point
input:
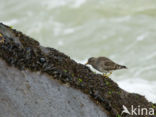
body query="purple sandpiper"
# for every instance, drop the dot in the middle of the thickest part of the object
(104, 65)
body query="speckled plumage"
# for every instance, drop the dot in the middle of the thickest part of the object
(104, 64)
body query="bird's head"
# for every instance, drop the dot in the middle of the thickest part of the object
(90, 60)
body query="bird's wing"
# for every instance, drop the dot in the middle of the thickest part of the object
(110, 65)
(107, 63)
(104, 58)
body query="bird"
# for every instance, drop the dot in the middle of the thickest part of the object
(104, 65)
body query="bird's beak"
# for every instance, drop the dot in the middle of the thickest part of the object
(86, 63)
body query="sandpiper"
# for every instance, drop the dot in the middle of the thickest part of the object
(104, 65)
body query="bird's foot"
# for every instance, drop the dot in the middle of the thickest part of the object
(105, 75)
(1, 38)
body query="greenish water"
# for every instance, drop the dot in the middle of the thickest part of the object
(123, 30)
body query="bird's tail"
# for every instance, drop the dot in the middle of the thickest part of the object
(121, 67)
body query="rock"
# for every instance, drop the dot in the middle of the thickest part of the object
(38, 81)
(30, 94)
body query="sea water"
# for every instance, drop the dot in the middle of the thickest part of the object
(122, 30)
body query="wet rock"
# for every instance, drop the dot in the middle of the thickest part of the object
(29, 94)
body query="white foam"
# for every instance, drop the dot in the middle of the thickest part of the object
(141, 37)
(146, 69)
(143, 87)
(78, 3)
(60, 43)
(121, 19)
(11, 22)
(68, 31)
(152, 55)
(54, 3)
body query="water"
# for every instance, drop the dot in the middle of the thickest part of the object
(123, 30)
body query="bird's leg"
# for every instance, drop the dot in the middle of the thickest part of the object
(1, 38)
(105, 75)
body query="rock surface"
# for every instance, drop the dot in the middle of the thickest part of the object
(39, 81)
(33, 94)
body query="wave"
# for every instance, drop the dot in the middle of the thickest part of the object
(141, 86)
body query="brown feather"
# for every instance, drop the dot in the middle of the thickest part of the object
(104, 64)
